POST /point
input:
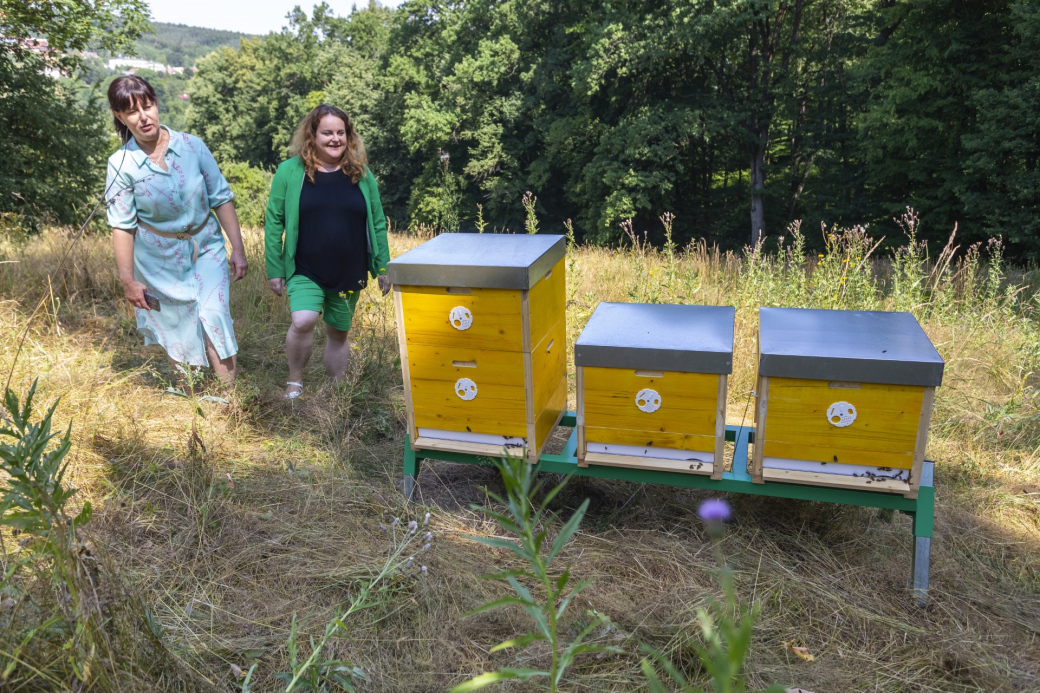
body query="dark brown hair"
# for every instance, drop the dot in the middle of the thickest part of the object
(123, 94)
(354, 156)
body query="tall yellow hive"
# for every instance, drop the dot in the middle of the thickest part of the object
(651, 387)
(481, 322)
(844, 399)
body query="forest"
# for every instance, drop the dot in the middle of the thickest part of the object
(737, 117)
(178, 45)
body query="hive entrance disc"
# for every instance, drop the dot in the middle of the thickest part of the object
(841, 414)
(460, 318)
(465, 388)
(648, 400)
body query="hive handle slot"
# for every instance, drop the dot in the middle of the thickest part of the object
(549, 348)
(464, 364)
(841, 385)
(650, 374)
(547, 275)
(458, 290)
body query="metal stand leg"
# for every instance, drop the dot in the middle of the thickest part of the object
(922, 555)
(924, 519)
(412, 465)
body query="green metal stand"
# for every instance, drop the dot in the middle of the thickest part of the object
(920, 509)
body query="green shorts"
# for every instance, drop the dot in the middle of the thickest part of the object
(337, 307)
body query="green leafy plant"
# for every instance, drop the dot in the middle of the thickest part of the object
(314, 673)
(528, 521)
(34, 501)
(725, 628)
(34, 492)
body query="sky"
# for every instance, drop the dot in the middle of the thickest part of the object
(247, 16)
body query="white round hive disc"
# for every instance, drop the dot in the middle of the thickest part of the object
(841, 414)
(460, 318)
(465, 388)
(648, 400)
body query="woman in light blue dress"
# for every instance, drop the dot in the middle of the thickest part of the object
(169, 249)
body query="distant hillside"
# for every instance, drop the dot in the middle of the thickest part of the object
(178, 45)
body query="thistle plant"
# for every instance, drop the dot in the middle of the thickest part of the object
(530, 218)
(725, 628)
(409, 543)
(527, 521)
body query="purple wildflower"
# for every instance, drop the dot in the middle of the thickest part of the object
(714, 510)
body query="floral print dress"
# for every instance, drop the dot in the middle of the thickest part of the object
(193, 293)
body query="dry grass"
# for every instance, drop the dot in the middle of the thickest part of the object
(283, 516)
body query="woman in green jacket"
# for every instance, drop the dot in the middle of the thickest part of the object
(324, 232)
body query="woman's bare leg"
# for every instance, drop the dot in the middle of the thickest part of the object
(337, 352)
(299, 343)
(223, 368)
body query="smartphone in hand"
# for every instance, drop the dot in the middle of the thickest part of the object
(152, 301)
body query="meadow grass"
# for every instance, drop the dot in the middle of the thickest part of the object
(276, 526)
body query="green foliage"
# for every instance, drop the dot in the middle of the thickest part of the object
(52, 153)
(840, 112)
(528, 521)
(726, 630)
(34, 493)
(251, 187)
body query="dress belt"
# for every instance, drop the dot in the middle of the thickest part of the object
(188, 235)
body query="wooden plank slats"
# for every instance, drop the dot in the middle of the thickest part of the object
(496, 318)
(884, 433)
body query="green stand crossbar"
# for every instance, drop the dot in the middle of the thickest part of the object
(920, 509)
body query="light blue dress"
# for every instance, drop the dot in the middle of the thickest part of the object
(194, 295)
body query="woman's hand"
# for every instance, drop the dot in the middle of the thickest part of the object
(277, 285)
(134, 291)
(384, 284)
(237, 263)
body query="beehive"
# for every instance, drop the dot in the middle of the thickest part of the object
(482, 330)
(844, 399)
(651, 386)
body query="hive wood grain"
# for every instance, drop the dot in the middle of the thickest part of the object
(405, 374)
(922, 442)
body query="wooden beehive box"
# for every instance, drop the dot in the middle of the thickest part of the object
(844, 399)
(481, 322)
(651, 386)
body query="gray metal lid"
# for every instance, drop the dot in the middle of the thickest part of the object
(656, 336)
(851, 345)
(479, 260)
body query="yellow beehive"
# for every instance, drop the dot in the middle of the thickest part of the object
(651, 387)
(844, 399)
(481, 322)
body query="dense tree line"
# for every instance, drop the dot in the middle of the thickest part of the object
(738, 116)
(53, 149)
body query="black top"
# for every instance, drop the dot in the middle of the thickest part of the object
(332, 249)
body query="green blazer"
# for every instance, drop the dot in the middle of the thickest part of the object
(282, 223)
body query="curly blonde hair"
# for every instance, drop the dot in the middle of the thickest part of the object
(303, 144)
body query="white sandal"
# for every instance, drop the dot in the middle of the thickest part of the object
(297, 393)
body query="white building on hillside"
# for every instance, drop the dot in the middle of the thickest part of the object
(124, 63)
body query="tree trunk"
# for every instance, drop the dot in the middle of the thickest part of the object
(758, 185)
